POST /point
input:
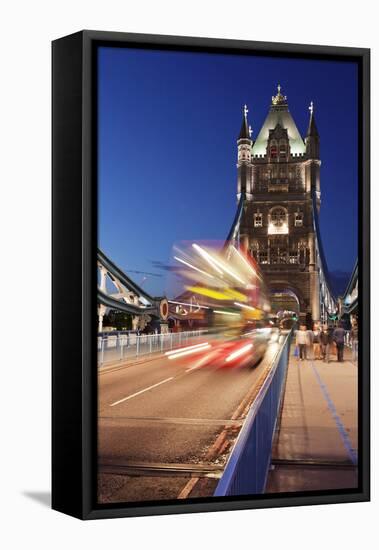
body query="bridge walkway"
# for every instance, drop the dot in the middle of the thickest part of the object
(317, 440)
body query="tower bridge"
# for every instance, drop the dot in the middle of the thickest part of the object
(276, 223)
(163, 430)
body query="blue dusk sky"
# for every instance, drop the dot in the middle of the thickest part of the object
(168, 124)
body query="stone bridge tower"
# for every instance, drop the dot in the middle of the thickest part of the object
(278, 172)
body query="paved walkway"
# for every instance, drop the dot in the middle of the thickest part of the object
(316, 446)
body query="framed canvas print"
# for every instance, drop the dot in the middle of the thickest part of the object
(210, 274)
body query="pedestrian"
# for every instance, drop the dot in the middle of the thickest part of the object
(354, 340)
(302, 340)
(339, 339)
(325, 341)
(316, 341)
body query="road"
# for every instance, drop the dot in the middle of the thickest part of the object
(166, 427)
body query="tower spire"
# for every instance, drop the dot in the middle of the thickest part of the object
(312, 128)
(279, 98)
(245, 132)
(244, 145)
(312, 139)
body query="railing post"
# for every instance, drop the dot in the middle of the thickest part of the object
(102, 350)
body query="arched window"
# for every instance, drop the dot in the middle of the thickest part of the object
(278, 216)
(278, 221)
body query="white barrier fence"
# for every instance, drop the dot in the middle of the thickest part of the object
(123, 346)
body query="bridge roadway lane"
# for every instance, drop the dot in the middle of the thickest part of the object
(167, 414)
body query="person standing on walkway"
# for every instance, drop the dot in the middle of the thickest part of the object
(354, 340)
(316, 341)
(339, 338)
(302, 341)
(326, 339)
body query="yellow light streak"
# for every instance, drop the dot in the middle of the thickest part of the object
(228, 294)
(235, 295)
(208, 292)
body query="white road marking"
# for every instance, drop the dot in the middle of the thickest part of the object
(141, 391)
(192, 368)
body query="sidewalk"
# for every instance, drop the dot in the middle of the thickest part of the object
(316, 446)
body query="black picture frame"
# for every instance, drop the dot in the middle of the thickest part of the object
(74, 206)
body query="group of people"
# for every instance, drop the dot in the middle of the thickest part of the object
(323, 338)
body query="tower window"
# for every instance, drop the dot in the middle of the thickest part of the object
(294, 257)
(263, 257)
(278, 222)
(283, 150)
(298, 219)
(273, 151)
(258, 220)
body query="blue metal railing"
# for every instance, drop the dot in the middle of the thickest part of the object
(248, 464)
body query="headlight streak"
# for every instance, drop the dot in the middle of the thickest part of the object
(251, 308)
(232, 274)
(187, 351)
(226, 313)
(193, 267)
(217, 264)
(206, 257)
(238, 353)
(186, 348)
(194, 306)
(247, 264)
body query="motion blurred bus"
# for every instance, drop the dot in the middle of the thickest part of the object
(226, 290)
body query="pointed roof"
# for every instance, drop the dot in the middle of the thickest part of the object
(279, 114)
(312, 128)
(245, 131)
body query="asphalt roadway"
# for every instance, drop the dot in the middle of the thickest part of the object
(166, 427)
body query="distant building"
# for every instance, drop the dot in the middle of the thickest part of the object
(278, 173)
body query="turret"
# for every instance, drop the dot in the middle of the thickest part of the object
(312, 143)
(312, 140)
(244, 168)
